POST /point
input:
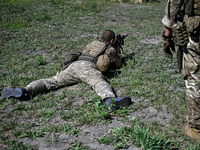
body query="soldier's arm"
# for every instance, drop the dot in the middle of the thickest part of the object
(168, 31)
(114, 55)
(173, 7)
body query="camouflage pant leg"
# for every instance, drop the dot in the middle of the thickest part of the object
(191, 63)
(78, 71)
(88, 73)
(193, 112)
(61, 79)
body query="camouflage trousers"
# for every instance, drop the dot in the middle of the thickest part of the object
(191, 65)
(79, 71)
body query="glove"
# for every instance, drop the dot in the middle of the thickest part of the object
(167, 45)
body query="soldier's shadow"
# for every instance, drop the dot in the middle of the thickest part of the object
(115, 72)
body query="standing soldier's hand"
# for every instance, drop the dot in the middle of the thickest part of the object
(167, 45)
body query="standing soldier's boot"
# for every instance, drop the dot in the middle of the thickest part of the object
(191, 132)
(117, 102)
(13, 92)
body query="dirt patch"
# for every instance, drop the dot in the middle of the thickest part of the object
(150, 114)
(151, 40)
(89, 136)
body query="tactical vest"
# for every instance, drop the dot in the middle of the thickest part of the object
(89, 53)
(190, 23)
(93, 48)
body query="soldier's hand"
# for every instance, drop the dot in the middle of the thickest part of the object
(168, 45)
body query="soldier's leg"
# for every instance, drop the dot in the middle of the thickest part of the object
(90, 75)
(61, 79)
(193, 103)
(192, 128)
(192, 68)
(192, 61)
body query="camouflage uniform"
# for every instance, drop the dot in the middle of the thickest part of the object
(78, 71)
(191, 55)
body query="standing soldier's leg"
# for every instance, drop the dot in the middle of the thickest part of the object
(192, 67)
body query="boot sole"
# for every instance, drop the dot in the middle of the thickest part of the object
(124, 102)
(11, 92)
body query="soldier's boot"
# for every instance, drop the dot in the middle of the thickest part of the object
(13, 92)
(117, 102)
(191, 132)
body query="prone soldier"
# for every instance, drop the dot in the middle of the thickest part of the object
(86, 66)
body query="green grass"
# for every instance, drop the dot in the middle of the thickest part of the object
(11, 144)
(138, 135)
(33, 37)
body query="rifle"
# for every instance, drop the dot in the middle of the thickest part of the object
(119, 41)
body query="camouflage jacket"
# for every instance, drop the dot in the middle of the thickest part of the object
(184, 7)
